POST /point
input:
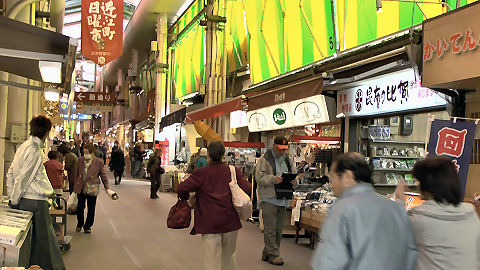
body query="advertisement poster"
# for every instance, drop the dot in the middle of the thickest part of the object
(454, 141)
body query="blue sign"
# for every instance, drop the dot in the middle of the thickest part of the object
(454, 141)
(76, 116)
(63, 106)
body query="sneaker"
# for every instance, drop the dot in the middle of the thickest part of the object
(78, 229)
(153, 197)
(88, 231)
(276, 261)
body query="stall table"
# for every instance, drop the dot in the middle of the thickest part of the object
(311, 222)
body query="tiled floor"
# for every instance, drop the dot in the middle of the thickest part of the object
(131, 233)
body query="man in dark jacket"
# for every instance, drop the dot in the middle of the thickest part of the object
(117, 163)
(154, 168)
(71, 163)
(138, 155)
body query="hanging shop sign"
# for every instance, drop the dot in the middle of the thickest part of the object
(173, 118)
(93, 109)
(454, 140)
(399, 91)
(94, 97)
(76, 116)
(307, 111)
(102, 30)
(450, 53)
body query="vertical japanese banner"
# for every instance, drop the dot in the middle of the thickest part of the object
(102, 30)
(454, 141)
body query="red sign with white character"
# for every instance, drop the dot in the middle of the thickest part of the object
(450, 142)
(94, 97)
(102, 30)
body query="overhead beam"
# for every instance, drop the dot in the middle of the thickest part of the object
(22, 85)
(32, 55)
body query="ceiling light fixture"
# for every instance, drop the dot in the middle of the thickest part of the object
(51, 71)
(52, 94)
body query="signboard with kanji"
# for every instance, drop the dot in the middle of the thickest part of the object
(102, 30)
(95, 97)
(450, 53)
(76, 116)
(453, 140)
(395, 92)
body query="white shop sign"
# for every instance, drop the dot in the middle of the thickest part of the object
(396, 92)
(307, 111)
(238, 119)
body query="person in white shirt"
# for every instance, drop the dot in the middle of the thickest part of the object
(28, 189)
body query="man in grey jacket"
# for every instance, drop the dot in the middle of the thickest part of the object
(363, 230)
(268, 173)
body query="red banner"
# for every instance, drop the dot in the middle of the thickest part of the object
(102, 30)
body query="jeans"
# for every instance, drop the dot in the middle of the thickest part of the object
(137, 168)
(91, 203)
(273, 220)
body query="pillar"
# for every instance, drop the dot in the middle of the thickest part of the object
(3, 127)
(161, 75)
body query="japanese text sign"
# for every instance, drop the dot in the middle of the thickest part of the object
(454, 141)
(450, 49)
(102, 30)
(399, 91)
(76, 116)
(95, 97)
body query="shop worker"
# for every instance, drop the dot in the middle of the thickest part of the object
(202, 159)
(364, 230)
(268, 173)
(29, 189)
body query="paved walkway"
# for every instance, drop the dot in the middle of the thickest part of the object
(131, 233)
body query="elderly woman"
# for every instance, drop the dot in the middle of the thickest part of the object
(154, 168)
(215, 215)
(87, 186)
(447, 231)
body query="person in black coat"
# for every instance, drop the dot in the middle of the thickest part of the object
(117, 163)
(155, 170)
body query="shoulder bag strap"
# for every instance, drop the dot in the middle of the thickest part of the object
(233, 174)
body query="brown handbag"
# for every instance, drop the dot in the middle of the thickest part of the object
(180, 215)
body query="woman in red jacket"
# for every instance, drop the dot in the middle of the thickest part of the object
(54, 170)
(215, 215)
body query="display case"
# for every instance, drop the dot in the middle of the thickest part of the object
(15, 236)
(392, 161)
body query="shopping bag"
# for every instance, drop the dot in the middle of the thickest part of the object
(240, 199)
(72, 202)
(180, 215)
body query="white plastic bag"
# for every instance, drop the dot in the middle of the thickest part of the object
(72, 202)
(240, 199)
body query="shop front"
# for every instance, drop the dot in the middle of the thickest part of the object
(387, 120)
(450, 59)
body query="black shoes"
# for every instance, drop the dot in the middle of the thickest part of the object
(154, 197)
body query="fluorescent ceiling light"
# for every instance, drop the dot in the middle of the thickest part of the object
(52, 94)
(51, 71)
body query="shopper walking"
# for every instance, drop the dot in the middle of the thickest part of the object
(71, 163)
(447, 231)
(117, 163)
(202, 159)
(102, 147)
(268, 173)
(87, 186)
(193, 162)
(54, 170)
(29, 188)
(74, 148)
(364, 230)
(215, 216)
(155, 170)
(138, 155)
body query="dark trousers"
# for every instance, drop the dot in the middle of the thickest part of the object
(155, 184)
(44, 250)
(118, 174)
(273, 220)
(71, 184)
(91, 203)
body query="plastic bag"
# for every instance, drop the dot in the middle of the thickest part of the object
(240, 199)
(72, 202)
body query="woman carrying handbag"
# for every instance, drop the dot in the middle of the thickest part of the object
(87, 186)
(216, 216)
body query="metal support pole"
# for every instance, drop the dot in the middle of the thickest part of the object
(160, 89)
